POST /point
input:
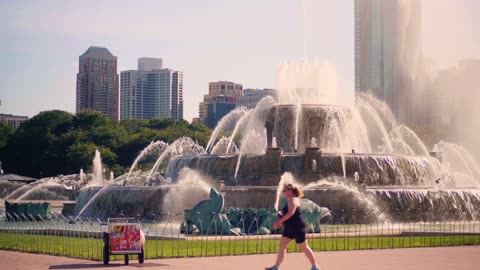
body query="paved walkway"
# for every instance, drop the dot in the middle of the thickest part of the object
(440, 258)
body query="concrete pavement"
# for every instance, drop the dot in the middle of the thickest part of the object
(438, 258)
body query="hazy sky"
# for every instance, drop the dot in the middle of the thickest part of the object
(209, 40)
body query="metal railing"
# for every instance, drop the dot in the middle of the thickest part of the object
(346, 230)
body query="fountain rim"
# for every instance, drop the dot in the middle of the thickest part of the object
(309, 105)
(324, 153)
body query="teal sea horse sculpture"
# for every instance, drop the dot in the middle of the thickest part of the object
(206, 217)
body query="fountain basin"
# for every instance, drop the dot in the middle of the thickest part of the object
(373, 169)
(394, 204)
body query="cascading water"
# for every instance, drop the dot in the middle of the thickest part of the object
(255, 124)
(44, 189)
(182, 146)
(409, 139)
(340, 183)
(239, 126)
(383, 143)
(340, 146)
(383, 112)
(228, 122)
(459, 163)
(223, 146)
(191, 187)
(32, 190)
(157, 146)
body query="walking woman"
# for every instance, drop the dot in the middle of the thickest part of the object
(294, 227)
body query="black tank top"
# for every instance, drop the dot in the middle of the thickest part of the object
(295, 220)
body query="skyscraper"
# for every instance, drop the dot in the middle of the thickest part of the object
(218, 107)
(97, 82)
(388, 52)
(151, 91)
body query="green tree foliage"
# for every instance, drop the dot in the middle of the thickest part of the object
(57, 142)
(5, 133)
(34, 149)
(80, 155)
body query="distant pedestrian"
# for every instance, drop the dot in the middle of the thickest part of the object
(294, 227)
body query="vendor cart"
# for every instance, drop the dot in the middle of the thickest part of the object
(123, 237)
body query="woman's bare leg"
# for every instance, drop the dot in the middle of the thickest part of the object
(282, 250)
(308, 252)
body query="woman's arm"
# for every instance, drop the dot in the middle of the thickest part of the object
(292, 206)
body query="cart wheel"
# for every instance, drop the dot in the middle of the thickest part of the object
(141, 256)
(126, 259)
(105, 254)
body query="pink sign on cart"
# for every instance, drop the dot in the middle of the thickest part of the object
(124, 238)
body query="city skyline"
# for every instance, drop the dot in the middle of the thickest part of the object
(209, 41)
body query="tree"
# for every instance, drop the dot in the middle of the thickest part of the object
(6, 133)
(57, 142)
(80, 156)
(34, 151)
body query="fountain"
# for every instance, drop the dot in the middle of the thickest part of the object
(344, 157)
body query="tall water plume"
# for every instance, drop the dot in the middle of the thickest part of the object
(81, 176)
(98, 177)
(308, 83)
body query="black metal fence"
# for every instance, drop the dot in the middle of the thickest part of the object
(346, 230)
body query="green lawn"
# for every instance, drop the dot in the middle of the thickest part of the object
(91, 248)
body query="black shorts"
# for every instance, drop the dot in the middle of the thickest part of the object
(299, 234)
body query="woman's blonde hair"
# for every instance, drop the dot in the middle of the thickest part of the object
(295, 190)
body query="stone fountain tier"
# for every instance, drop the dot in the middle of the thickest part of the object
(266, 170)
(424, 204)
(395, 203)
(281, 122)
(114, 201)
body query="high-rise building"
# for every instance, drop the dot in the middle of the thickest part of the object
(220, 88)
(251, 97)
(151, 91)
(388, 52)
(218, 107)
(149, 63)
(97, 82)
